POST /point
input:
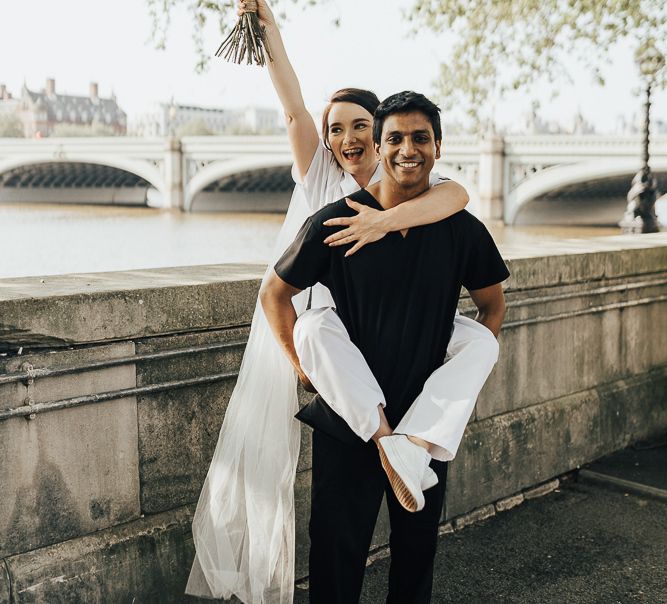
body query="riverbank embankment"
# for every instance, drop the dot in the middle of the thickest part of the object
(110, 413)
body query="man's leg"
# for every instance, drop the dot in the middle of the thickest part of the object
(413, 543)
(347, 488)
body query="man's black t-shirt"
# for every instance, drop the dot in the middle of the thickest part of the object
(397, 297)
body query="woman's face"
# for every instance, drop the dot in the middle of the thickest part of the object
(351, 137)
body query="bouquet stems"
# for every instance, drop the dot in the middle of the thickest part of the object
(247, 41)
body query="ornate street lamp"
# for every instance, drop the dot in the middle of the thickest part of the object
(640, 212)
(173, 110)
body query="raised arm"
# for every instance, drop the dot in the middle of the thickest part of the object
(276, 296)
(301, 128)
(438, 203)
(490, 303)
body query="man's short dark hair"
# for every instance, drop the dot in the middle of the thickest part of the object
(406, 102)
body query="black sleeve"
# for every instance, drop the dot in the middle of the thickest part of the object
(306, 261)
(484, 264)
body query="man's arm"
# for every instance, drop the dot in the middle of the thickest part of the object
(276, 296)
(490, 303)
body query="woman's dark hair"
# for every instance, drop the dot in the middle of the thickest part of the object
(405, 102)
(364, 98)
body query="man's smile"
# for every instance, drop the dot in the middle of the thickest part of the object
(407, 165)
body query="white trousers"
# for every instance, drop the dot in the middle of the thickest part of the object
(440, 413)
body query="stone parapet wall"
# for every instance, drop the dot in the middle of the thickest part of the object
(110, 415)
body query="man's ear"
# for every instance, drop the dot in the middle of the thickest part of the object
(438, 144)
(377, 150)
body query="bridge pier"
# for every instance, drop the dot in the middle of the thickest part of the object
(491, 178)
(173, 174)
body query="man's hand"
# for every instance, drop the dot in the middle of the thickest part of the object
(367, 226)
(305, 382)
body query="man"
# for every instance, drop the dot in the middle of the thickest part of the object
(397, 299)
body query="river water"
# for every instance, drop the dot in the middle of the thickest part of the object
(48, 239)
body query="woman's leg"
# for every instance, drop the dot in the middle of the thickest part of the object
(440, 414)
(339, 372)
(435, 421)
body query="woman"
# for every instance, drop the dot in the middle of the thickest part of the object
(244, 523)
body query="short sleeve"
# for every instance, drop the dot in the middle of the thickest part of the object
(306, 261)
(323, 174)
(435, 179)
(484, 265)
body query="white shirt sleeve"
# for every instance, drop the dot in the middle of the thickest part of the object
(435, 179)
(321, 180)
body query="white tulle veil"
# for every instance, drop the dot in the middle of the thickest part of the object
(243, 527)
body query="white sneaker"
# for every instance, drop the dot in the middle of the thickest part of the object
(405, 464)
(430, 479)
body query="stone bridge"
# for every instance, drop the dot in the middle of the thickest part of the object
(502, 174)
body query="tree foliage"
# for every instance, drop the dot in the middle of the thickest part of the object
(221, 12)
(500, 46)
(76, 130)
(194, 127)
(11, 126)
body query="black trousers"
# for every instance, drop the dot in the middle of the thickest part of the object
(347, 489)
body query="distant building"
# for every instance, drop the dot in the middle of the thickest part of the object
(261, 121)
(41, 111)
(532, 122)
(173, 119)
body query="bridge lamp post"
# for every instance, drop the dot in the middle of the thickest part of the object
(172, 119)
(640, 212)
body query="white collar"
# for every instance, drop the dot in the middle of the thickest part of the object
(349, 185)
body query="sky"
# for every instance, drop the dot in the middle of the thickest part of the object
(81, 41)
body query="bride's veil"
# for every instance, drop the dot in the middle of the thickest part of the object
(243, 527)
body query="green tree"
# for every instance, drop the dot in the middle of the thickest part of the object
(10, 126)
(498, 46)
(222, 12)
(502, 46)
(195, 127)
(74, 130)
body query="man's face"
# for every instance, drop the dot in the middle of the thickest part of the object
(408, 148)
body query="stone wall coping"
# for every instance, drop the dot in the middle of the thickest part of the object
(83, 308)
(15, 288)
(550, 256)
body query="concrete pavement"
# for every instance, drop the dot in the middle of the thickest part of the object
(584, 543)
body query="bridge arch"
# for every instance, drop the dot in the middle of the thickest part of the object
(551, 179)
(142, 169)
(222, 169)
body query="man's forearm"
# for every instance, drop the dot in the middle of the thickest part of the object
(490, 303)
(281, 317)
(491, 320)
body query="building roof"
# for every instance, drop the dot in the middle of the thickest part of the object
(76, 109)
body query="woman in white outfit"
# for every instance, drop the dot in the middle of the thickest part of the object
(243, 526)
